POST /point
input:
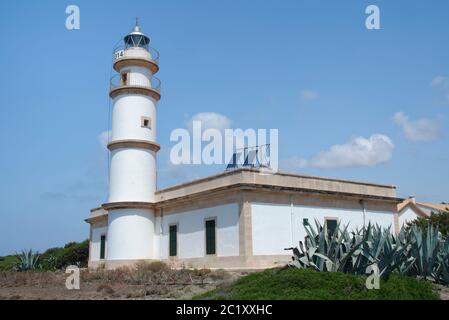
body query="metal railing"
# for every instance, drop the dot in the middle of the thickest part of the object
(123, 51)
(250, 157)
(118, 81)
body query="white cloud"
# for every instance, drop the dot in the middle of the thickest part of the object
(210, 120)
(103, 139)
(295, 162)
(440, 81)
(359, 152)
(309, 95)
(423, 130)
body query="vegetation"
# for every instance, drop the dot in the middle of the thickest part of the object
(8, 263)
(413, 252)
(440, 219)
(308, 284)
(72, 253)
(156, 273)
(28, 260)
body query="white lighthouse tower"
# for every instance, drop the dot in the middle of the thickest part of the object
(132, 178)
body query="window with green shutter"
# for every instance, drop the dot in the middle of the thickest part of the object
(331, 225)
(173, 246)
(102, 247)
(210, 237)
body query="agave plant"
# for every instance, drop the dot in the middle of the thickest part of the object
(28, 260)
(425, 247)
(442, 270)
(324, 251)
(412, 252)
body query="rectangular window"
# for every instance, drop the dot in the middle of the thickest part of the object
(210, 236)
(331, 224)
(173, 239)
(102, 247)
(145, 122)
(124, 79)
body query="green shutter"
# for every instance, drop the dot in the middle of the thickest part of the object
(210, 237)
(331, 226)
(173, 241)
(102, 247)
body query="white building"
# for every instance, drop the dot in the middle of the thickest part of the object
(410, 209)
(237, 219)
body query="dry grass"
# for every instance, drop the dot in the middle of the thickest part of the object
(18, 279)
(144, 280)
(105, 288)
(156, 273)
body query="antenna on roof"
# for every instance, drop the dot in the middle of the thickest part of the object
(253, 157)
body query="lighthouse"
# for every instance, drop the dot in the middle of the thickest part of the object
(134, 91)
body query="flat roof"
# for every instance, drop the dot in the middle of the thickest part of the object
(279, 173)
(258, 178)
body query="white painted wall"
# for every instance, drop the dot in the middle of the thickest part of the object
(191, 231)
(139, 52)
(132, 175)
(97, 232)
(126, 117)
(139, 76)
(276, 227)
(406, 215)
(130, 234)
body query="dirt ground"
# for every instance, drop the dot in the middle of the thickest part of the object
(444, 292)
(144, 282)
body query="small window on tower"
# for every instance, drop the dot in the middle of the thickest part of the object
(124, 79)
(146, 122)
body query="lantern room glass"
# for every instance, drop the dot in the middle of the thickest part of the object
(136, 40)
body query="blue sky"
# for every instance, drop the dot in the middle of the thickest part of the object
(337, 92)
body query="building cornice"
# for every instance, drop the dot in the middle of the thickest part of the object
(273, 189)
(134, 143)
(128, 204)
(239, 188)
(280, 174)
(277, 181)
(130, 89)
(252, 180)
(136, 61)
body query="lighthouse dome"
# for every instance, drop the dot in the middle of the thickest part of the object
(137, 44)
(136, 38)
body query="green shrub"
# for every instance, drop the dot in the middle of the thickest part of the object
(307, 284)
(28, 260)
(440, 219)
(8, 263)
(72, 253)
